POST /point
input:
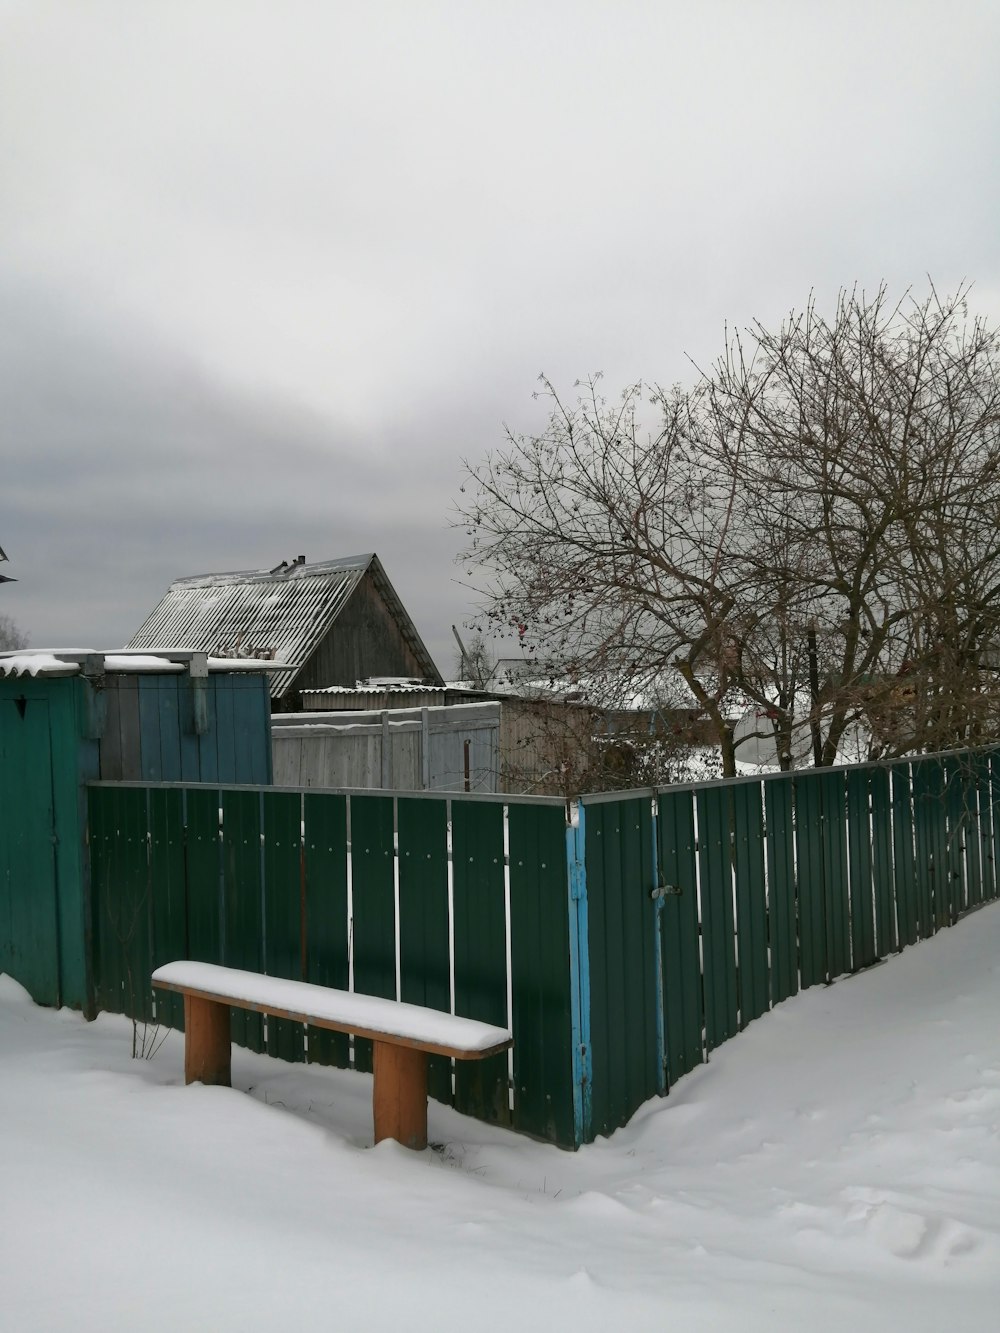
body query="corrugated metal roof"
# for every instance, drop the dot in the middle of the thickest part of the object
(278, 614)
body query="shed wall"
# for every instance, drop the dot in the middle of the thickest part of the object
(364, 641)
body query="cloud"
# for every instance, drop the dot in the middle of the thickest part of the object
(268, 272)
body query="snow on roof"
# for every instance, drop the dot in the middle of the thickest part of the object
(381, 687)
(36, 664)
(276, 614)
(71, 661)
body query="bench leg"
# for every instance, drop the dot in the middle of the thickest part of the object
(400, 1096)
(207, 1047)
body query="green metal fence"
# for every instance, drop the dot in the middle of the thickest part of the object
(623, 944)
(709, 904)
(455, 903)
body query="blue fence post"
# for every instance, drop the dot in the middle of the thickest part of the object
(579, 961)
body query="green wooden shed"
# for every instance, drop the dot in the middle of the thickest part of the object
(67, 718)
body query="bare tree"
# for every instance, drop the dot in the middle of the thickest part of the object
(809, 530)
(869, 449)
(11, 637)
(608, 547)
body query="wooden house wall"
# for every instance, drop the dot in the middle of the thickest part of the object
(59, 732)
(149, 733)
(364, 641)
(45, 757)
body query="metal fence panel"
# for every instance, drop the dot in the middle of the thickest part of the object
(886, 938)
(781, 892)
(717, 919)
(374, 925)
(811, 880)
(168, 890)
(424, 953)
(284, 911)
(903, 851)
(480, 943)
(751, 902)
(540, 974)
(860, 871)
(621, 916)
(327, 923)
(680, 935)
(242, 891)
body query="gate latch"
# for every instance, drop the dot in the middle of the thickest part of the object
(663, 890)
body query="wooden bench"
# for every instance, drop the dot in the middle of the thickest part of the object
(404, 1034)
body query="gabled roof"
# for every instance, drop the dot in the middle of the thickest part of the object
(279, 614)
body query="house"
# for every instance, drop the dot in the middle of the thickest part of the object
(327, 624)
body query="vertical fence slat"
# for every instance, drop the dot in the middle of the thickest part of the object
(751, 902)
(836, 897)
(424, 953)
(372, 834)
(167, 880)
(326, 925)
(204, 876)
(621, 920)
(540, 974)
(781, 895)
(860, 870)
(480, 935)
(283, 911)
(243, 915)
(683, 1010)
(811, 880)
(717, 920)
(125, 918)
(886, 940)
(903, 854)
(989, 790)
(958, 835)
(972, 831)
(926, 872)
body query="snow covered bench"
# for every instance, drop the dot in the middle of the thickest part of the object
(404, 1034)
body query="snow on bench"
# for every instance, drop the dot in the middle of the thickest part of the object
(403, 1034)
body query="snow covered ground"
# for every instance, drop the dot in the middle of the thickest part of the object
(835, 1167)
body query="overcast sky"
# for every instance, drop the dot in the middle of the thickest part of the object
(268, 271)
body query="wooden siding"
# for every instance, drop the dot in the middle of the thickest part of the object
(58, 733)
(149, 731)
(364, 641)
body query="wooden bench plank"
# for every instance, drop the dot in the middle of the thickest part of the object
(403, 1034)
(341, 1011)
